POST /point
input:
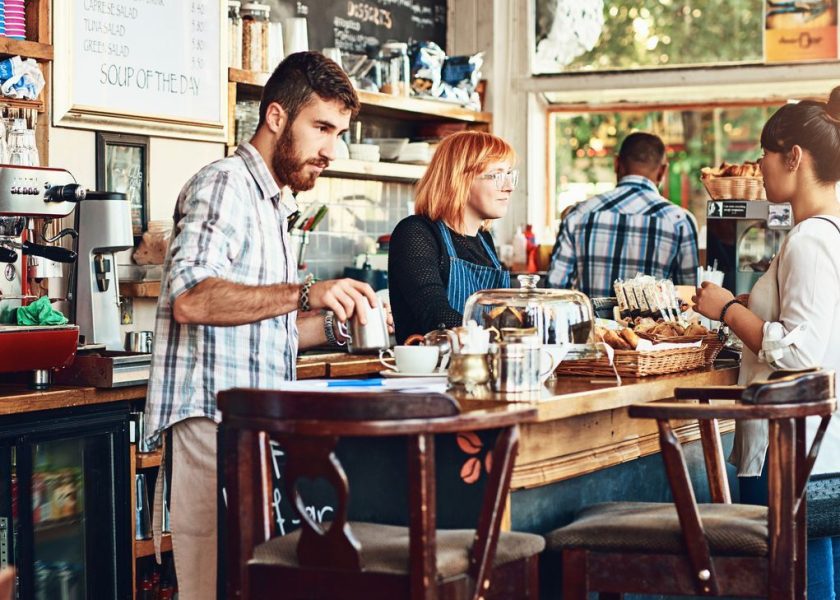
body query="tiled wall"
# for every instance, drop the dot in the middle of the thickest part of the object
(359, 212)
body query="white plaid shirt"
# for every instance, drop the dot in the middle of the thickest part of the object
(615, 235)
(230, 223)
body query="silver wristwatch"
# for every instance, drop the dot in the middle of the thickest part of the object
(329, 329)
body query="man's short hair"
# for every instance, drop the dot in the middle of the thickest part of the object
(303, 74)
(642, 149)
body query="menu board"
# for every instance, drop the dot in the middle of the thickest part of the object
(159, 61)
(348, 24)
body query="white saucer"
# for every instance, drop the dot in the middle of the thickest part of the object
(390, 373)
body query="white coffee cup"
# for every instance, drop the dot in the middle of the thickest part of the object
(411, 359)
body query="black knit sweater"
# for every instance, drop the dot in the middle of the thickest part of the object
(418, 274)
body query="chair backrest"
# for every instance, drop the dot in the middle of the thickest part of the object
(308, 426)
(791, 387)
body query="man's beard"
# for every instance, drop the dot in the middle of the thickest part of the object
(288, 165)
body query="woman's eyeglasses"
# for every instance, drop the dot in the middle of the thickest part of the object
(503, 180)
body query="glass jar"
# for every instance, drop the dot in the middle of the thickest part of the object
(19, 150)
(255, 36)
(395, 76)
(559, 317)
(234, 34)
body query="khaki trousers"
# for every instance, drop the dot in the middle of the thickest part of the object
(193, 510)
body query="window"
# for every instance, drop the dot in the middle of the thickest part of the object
(603, 35)
(583, 147)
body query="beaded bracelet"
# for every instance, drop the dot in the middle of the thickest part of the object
(726, 307)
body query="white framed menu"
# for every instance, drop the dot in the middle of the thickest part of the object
(145, 66)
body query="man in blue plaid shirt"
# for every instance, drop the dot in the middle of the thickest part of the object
(631, 229)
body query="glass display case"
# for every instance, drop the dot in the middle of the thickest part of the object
(560, 317)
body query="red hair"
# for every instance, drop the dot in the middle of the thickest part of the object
(442, 192)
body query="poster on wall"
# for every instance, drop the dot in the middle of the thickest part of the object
(801, 30)
(156, 66)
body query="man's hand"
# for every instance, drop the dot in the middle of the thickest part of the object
(710, 300)
(344, 297)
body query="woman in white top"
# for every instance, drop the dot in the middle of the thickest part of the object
(793, 318)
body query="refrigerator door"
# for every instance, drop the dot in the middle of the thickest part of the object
(67, 506)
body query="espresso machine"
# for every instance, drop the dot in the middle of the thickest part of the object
(743, 236)
(30, 198)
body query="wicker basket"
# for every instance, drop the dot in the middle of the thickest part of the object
(712, 343)
(735, 188)
(632, 363)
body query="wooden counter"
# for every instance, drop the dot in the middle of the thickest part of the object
(584, 427)
(16, 399)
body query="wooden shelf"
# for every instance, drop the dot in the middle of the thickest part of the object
(148, 460)
(147, 547)
(359, 169)
(383, 105)
(140, 289)
(16, 103)
(254, 78)
(387, 105)
(25, 49)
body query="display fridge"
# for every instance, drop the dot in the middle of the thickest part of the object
(64, 502)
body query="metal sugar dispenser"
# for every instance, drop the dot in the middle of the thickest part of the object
(516, 363)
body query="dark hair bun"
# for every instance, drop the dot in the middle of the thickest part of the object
(833, 106)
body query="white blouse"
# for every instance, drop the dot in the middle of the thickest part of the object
(799, 300)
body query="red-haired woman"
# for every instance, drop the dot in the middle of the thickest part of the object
(442, 254)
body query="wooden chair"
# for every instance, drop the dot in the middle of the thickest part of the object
(716, 549)
(365, 560)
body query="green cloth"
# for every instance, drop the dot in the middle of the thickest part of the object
(40, 312)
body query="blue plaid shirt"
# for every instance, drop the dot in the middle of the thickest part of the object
(230, 223)
(631, 229)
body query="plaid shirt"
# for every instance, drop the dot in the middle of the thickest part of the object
(628, 230)
(230, 223)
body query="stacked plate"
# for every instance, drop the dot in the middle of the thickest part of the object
(365, 152)
(14, 19)
(417, 153)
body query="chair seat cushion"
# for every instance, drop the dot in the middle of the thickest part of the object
(824, 506)
(731, 529)
(385, 549)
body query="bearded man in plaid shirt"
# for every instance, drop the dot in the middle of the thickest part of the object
(631, 229)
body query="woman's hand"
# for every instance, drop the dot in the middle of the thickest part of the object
(389, 318)
(710, 300)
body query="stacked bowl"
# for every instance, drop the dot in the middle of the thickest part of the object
(14, 19)
(365, 152)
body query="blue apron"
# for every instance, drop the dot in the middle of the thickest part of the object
(466, 278)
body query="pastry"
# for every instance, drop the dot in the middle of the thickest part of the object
(630, 337)
(616, 341)
(696, 329)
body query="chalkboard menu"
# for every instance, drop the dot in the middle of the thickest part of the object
(348, 24)
(151, 63)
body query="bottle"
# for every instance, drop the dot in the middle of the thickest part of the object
(145, 592)
(520, 245)
(530, 249)
(166, 592)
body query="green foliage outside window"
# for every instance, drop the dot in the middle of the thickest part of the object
(660, 33)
